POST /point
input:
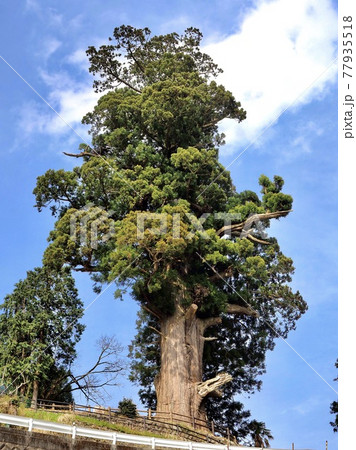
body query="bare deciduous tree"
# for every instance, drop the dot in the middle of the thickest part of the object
(105, 372)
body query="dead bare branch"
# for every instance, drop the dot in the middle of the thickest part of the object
(235, 229)
(212, 386)
(241, 310)
(80, 155)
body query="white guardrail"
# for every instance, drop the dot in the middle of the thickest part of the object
(112, 437)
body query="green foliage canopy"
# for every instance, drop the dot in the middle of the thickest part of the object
(39, 328)
(154, 151)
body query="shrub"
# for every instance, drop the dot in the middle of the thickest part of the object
(127, 408)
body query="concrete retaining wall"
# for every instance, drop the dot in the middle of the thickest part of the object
(17, 439)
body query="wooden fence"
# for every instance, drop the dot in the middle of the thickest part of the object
(148, 420)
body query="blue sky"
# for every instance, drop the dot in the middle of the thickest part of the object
(278, 58)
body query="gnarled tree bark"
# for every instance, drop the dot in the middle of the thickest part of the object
(179, 383)
(180, 388)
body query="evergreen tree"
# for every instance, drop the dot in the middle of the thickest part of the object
(215, 294)
(127, 408)
(39, 328)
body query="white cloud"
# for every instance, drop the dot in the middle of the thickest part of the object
(73, 104)
(302, 141)
(50, 46)
(280, 50)
(277, 60)
(179, 23)
(70, 100)
(80, 59)
(307, 406)
(31, 5)
(32, 118)
(47, 14)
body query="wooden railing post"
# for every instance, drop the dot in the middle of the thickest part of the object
(212, 427)
(150, 413)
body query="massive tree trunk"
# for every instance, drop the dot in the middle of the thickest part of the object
(179, 385)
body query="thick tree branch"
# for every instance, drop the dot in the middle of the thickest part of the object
(80, 155)
(254, 239)
(237, 309)
(209, 322)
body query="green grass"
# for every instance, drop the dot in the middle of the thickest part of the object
(40, 415)
(89, 421)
